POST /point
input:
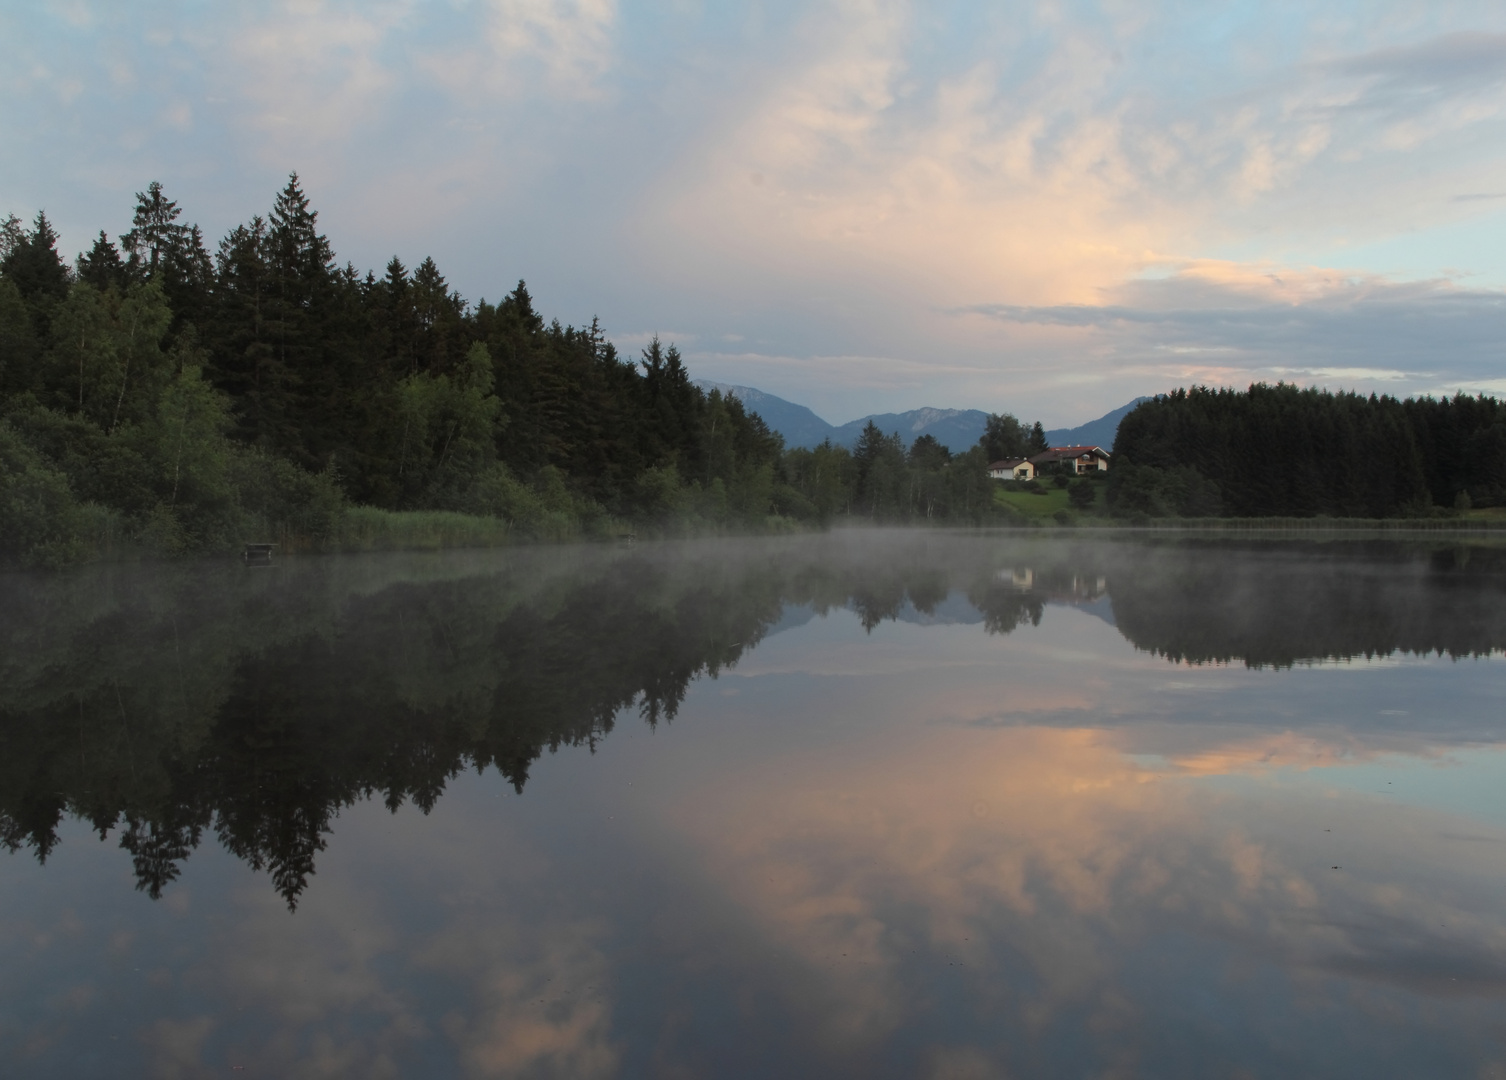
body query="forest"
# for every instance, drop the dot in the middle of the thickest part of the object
(160, 396)
(1287, 451)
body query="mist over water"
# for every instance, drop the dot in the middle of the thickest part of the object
(866, 803)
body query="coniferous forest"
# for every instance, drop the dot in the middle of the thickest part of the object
(1293, 452)
(162, 396)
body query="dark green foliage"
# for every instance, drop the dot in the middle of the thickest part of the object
(1081, 493)
(196, 401)
(41, 523)
(256, 391)
(927, 453)
(880, 481)
(1179, 491)
(1462, 441)
(1285, 451)
(31, 262)
(1004, 437)
(19, 348)
(818, 482)
(879, 460)
(102, 266)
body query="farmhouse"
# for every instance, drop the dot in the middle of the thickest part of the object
(1012, 469)
(1080, 460)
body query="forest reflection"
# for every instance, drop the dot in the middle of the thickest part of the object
(171, 703)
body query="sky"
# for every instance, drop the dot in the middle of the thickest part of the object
(1041, 208)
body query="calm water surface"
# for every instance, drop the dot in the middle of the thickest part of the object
(910, 805)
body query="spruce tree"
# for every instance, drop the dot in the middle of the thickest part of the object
(155, 235)
(439, 315)
(39, 273)
(300, 266)
(102, 267)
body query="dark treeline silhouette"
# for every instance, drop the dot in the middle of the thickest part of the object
(187, 398)
(172, 702)
(1273, 604)
(1285, 451)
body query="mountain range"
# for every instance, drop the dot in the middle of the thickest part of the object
(956, 429)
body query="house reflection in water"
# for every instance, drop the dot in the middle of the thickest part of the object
(1057, 585)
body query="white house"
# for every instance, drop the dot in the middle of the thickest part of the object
(1012, 469)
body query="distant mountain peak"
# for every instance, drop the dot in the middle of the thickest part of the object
(927, 416)
(1098, 432)
(956, 429)
(798, 425)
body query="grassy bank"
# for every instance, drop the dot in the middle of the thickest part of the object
(1050, 506)
(1039, 506)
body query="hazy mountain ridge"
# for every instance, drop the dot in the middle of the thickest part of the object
(956, 429)
(798, 425)
(1098, 432)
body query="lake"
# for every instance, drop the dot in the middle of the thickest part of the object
(871, 804)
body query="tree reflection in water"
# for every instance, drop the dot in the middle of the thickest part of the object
(167, 703)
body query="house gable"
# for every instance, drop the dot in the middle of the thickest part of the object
(1079, 459)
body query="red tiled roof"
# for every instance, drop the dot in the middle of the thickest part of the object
(1057, 453)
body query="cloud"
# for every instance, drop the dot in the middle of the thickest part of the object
(1438, 65)
(177, 1046)
(825, 181)
(1310, 326)
(631, 342)
(312, 73)
(1043, 863)
(569, 39)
